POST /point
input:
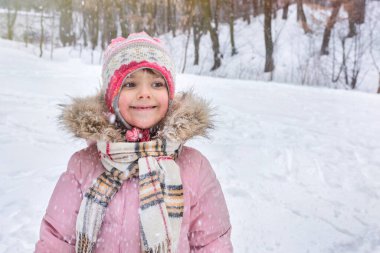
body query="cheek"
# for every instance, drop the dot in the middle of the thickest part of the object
(123, 103)
(164, 104)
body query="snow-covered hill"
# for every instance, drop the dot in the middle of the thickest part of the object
(296, 54)
(299, 166)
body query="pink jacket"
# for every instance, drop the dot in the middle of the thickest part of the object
(205, 225)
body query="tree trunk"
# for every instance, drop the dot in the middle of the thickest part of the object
(329, 26)
(42, 37)
(349, 7)
(285, 10)
(246, 11)
(274, 8)
(52, 35)
(301, 17)
(213, 33)
(155, 21)
(103, 26)
(11, 20)
(216, 15)
(356, 15)
(150, 18)
(186, 47)
(269, 63)
(174, 19)
(255, 5)
(26, 33)
(359, 11)
(123, 19)
(231, 23)
(187, 25)
(93, 25)
(196, 24)
(168, 16)
(84, 28)
(109, 23)
(352, 28)
(135, 18)
(197, 34)
(66, 22)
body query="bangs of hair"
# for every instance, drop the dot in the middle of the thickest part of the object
(147, 70)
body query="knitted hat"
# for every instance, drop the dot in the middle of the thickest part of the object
(126, 55)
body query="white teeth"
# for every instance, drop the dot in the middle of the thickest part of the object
(136, 107)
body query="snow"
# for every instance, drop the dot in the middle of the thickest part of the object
(299, 166)
(296, 54)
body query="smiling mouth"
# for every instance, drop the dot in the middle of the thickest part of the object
(142, 107)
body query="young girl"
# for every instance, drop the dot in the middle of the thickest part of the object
(136, 187)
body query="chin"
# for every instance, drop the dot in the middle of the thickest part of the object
(144, 125)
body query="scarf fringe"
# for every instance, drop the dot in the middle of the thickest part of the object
(162, 247)
(84, 244)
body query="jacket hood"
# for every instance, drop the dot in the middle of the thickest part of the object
(187, 117)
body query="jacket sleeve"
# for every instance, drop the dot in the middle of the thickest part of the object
(210, 227)
(57, 232)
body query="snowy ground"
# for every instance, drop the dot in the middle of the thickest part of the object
(299, 166)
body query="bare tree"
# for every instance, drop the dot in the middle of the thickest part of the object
(274, 8)
(66, 22)
(13, 7)
(170, 16)
(121, 5)
(350, 65)
(231, 24)
(349, 6)
(269, 62)
(186, 22)
(301, 17)
(26, 32)
(285, 9)
(356, 65)
(197, 31)
(91, 10)
(356, 15)
(42, 35)
(246, 11)
(216, 13)
(109, 27)
(84, 26)
(257, 7)
(206, 7)
(52, 29)
(373, 25)
(329, 26)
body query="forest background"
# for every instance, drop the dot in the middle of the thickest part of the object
(330, 43)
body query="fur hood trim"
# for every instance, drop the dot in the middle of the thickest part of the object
(188, 116)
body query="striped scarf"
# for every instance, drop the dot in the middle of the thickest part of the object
(160, 193)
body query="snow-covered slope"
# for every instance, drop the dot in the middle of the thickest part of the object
(299, 166)
(296, 54)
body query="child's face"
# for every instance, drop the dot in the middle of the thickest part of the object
(144, 99)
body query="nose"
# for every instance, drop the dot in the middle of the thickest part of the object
(144, 91)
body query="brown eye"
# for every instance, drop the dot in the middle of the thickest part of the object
(129, 85)
(157, 84)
